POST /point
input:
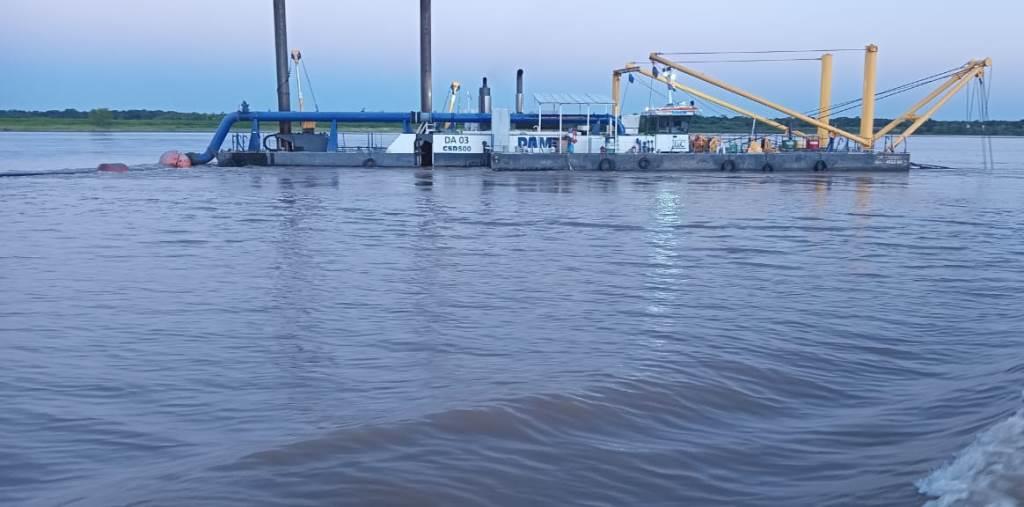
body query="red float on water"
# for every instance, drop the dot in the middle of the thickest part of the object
(175, 159)
(113, 168)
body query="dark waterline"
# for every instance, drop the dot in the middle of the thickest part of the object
(398, 337)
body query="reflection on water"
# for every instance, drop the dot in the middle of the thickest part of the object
(424, 179)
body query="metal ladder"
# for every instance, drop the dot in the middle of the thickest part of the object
(426, 128)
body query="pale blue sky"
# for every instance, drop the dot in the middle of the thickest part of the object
(209, 55)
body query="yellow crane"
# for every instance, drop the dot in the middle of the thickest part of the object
(453, 94)
(867, 137)
(308, 127)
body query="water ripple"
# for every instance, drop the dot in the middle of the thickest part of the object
(289, 336)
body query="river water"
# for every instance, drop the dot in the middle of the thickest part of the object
(282, 336)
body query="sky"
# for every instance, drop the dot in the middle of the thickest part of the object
(209, 55)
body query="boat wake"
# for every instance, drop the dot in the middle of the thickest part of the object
(989, 472)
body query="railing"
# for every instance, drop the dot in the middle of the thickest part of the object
(555, 142)
(359, 142)
(239, 141)
(740, 143)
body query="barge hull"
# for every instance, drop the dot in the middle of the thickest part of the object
(705, 162)
(666, 162)
(316, 159)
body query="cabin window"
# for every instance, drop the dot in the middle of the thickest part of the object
(650, 125)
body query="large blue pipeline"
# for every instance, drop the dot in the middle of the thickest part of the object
(373, 117)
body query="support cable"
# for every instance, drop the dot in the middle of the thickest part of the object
(762, 52)
(309, 82)
(889, 92)
(754, 60)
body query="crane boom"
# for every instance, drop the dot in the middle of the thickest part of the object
(974, 69)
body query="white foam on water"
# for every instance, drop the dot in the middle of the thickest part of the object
(989, 472)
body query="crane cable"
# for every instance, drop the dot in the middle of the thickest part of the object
(884, 94)
(751, 60)
(762, 52)
(705, 104)
(836, 108)
(985, 91)
(309, 83)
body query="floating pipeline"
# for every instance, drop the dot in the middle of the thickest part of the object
(59, 172)
(107, 167)
(112, 168)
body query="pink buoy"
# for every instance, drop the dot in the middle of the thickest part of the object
(112, 168)
(169, 158)
(175, 159)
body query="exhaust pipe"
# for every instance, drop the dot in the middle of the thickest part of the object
(485, 98)
(519, 91)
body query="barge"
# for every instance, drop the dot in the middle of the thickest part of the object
(595, 135)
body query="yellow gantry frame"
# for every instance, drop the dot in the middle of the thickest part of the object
(825, 97)
(867, 113)
(867, 136)
(971, 70)
(656, 57)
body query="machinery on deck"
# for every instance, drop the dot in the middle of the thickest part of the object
(866, 138)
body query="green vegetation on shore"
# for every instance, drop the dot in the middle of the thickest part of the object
(105, 120)
(136, 120)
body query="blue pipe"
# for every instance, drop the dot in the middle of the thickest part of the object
(362, 117)
(215, 143)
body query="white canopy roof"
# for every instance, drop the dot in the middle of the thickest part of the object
(581, 99)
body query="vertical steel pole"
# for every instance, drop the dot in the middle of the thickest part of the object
(616, 80)
(426, 93)
(560, 136)
(867, 116)
(281, 48)
(825, 101)
(588, 128)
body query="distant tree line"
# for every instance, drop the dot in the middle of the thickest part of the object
(722, 124)
(128, 114)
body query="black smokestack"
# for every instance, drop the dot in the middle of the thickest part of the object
(519, 91)
(485, 97)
